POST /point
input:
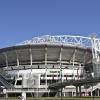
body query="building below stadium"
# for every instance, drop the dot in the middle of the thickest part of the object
(31, 66)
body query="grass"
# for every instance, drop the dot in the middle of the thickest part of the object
(54, 98)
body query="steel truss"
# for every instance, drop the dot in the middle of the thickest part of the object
(59, 39)
(95, 49)
(96, 56)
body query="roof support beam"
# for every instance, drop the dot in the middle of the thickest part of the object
(5, 54)
(31, 58)
(73, 61)
(46, 57)
(84, 57)
(17, 62)
(73, 57)
(17, 58)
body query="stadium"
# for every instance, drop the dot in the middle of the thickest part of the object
(31, 66)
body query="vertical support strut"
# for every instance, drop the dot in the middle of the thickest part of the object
(6, 59)
(17, 62)
(80, 90)
(60, 63)
(6, 95)
(17, 59)
(23, 95)
(77, 91)
(31, 58)
(74, 62)
(46, 66)
(96, 55)
(61, 69)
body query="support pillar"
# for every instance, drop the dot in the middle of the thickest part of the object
(91, 93)
(6, 95)
(17, 59)
(31, 58)
(64, 94)
(61, 92)
(17, 62)
(5, 54)
(48, 92)
(98, 92)
(73, 58)
(80, 91)
(76, 90)
(23, 95)
(72, 93)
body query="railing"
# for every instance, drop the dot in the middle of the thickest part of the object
(19, 90)
(94, 87)
(26, 90)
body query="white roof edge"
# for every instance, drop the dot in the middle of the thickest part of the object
(59, 39)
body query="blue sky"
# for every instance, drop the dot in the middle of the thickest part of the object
(23, 19)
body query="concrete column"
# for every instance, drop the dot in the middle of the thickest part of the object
(76, 90)
(64, 94)
(73, 61)
(17, 59)
(6, 95)
(80, 91)
(31, 58)
(37, 92)
(24, 81)
(48, 93)
(23, 95)
(72, 93)
(98, 92)
(5, 54)
(39, 81)
(61, 92)
(91, 93)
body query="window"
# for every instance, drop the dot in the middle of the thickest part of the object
(19, 82)
(42, 82)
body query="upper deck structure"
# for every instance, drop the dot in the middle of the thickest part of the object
(64, 49)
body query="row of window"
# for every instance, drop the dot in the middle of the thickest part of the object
(62, 75)
(43, 82)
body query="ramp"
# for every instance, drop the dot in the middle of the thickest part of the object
(5, 83)
(80, 82)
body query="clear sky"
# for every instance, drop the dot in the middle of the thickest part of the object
(23, 19)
